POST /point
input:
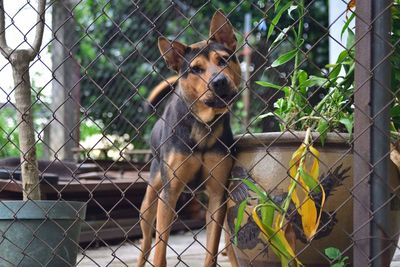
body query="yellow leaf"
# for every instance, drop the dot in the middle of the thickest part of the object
(306, 206)
(295, 161)
(308, 213)
(296, 200)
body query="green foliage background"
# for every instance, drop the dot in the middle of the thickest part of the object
(121, 63)
(117, 49)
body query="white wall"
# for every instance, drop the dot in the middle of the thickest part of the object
(24, 18)
(337, 18)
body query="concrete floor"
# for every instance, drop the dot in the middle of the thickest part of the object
(192, 256)
(126, 254)
(396, 258)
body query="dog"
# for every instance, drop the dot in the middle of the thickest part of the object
(192, 142)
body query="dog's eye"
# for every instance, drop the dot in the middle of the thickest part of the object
(196, 70)
(222, 62)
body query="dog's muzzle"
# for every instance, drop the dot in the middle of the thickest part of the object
(223, 94)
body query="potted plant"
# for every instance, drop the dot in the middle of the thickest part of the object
(291, 202)
(34, 232)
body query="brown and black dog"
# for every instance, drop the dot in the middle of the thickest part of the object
(192, 141)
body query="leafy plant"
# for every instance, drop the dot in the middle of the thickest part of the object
(334, 111)
(337, 258)
(395, 60)
(294, 110)
(304, 192)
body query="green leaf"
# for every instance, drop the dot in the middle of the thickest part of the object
(350, 40)
(302, 76)
(256, 189)
(277, 17)
(395, 111)
(314, 81)
(270, 85)
(333, 253)
(323, 128)
(346, 25)
(338, 264)
(342, 56)
(239, 219)
(276, 4)
(336, 68)
(284, 58)
(330, 65)
(335, 72)
(309, 180)
(267, 213)
(344, 259)
(348, 123)
(270, 213)
(348, 80)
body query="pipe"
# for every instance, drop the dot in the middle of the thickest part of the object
(380, 136)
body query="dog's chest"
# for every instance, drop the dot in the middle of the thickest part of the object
(205, 137)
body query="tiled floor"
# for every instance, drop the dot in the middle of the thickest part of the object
(126, 255)
(396, 258)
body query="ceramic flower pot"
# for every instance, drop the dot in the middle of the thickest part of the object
(40, 233)
(264, 158)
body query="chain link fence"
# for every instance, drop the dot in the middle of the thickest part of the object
(199, 133)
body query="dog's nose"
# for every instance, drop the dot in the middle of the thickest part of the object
(220, 84)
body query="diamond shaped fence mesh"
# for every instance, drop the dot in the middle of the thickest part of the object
(199, 133)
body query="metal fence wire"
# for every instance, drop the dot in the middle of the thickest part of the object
(199, 133)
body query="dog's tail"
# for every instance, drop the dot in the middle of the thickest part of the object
(162, 90)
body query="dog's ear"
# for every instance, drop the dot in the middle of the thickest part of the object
(173, 52)
(221, 31)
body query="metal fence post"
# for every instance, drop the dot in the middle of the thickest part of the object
(362, 135)
(380, 130)
(372, 136)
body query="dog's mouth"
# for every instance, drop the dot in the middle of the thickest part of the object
(220, 101)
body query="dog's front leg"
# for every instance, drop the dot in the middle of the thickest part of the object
(217, 171)
(178, 171)
(165, 217)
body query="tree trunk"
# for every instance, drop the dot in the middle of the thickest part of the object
(23, 102)
(64, 129)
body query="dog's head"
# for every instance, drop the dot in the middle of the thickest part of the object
(209, 70)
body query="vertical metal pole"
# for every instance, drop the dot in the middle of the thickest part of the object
(371, 133)
(362, 136)
(246, 72)
(380, 131)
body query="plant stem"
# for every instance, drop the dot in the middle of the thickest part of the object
(307, 118)
(297, 56)
(321, 103)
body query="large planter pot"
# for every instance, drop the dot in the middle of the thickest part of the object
(265, 159)
(40, 233)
